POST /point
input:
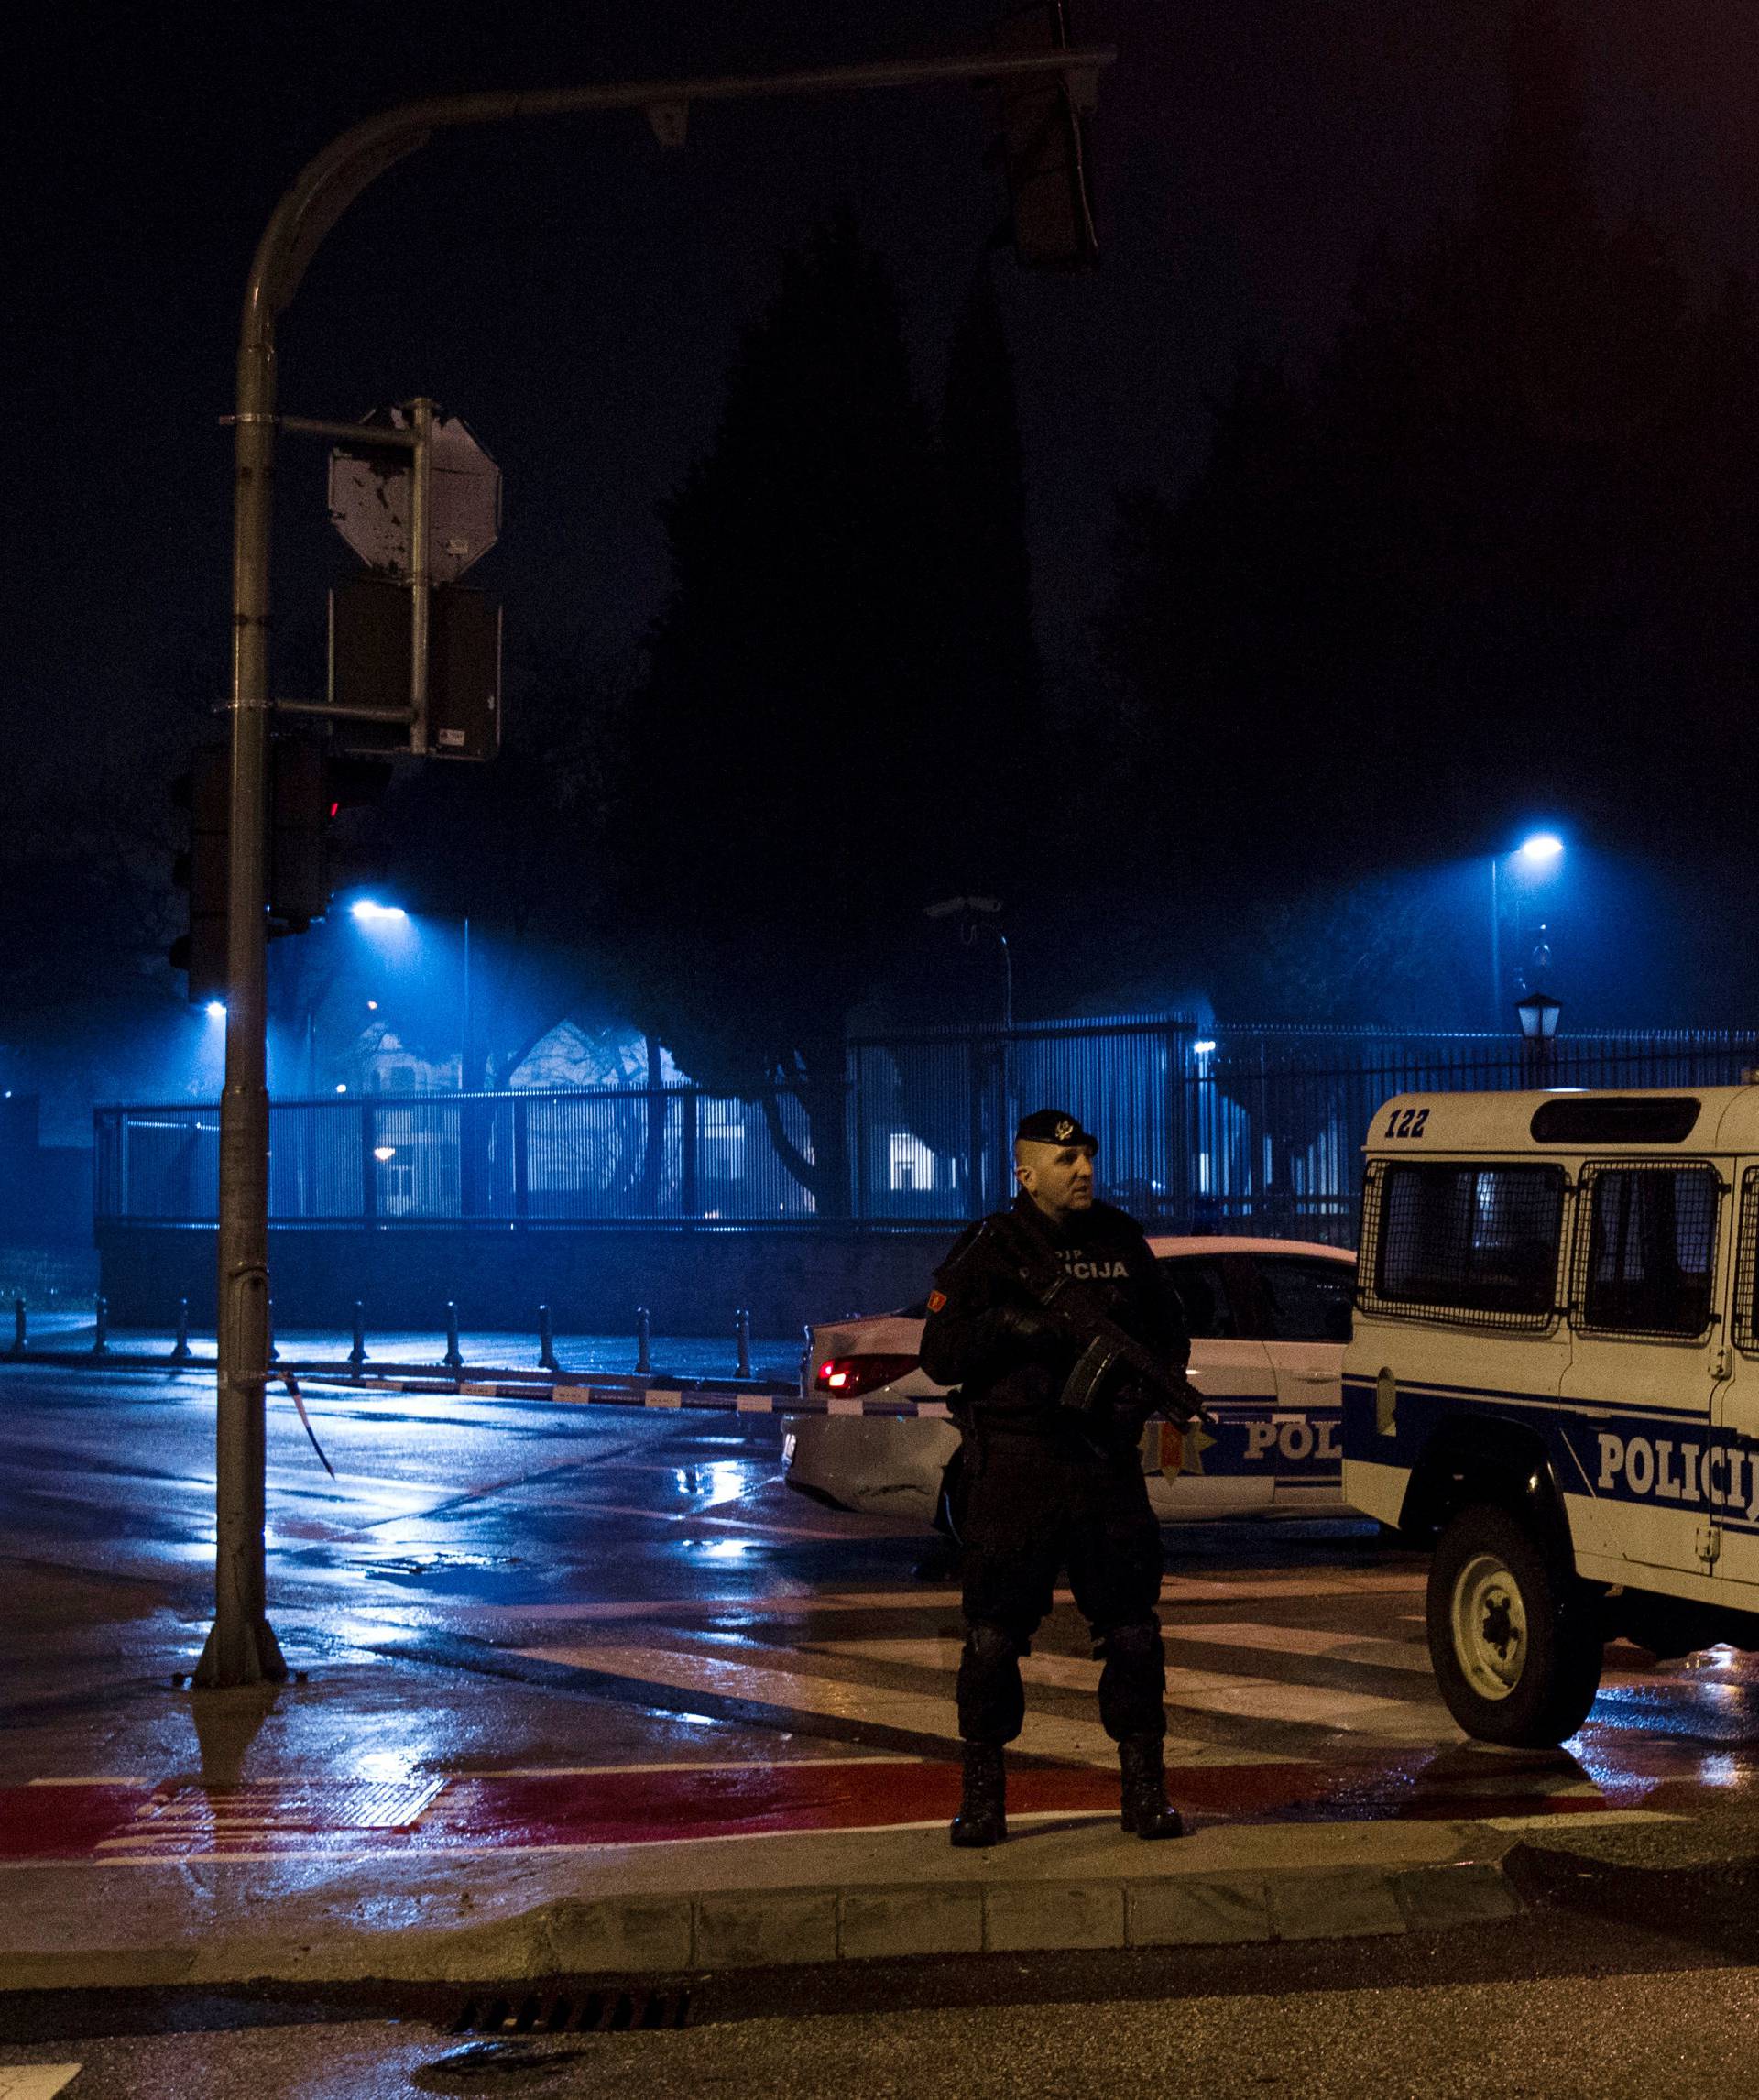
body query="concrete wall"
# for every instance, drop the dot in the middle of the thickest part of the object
(691, 1282)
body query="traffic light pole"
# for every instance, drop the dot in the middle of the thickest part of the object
(241, 1646)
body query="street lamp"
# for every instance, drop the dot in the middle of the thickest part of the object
(368, 912)
(972, 913)
(1538, 853)
(1541, 850)
(966, 909)
(1538, 1014)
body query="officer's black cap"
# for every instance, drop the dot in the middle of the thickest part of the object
(1055, 1126)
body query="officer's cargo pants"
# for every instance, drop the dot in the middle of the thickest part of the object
(1038, 1505)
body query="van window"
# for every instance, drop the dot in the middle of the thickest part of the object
(1646, 1259)
(1746, 1265)
(1598, 1120)
(1471, 1243)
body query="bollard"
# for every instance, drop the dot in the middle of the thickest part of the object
(101, 1325)
(643, 1343)
(451, 1360)
(357, 1354)
(274, 1353)
(181, 1350)
(742, 1334)
(546, 1341)
(17, 1328)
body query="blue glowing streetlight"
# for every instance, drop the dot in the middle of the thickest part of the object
(1540, 853)
(368, 912)
(216, 1010)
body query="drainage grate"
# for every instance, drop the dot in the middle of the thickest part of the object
(563, 2011)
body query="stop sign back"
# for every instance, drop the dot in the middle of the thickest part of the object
(370, 498)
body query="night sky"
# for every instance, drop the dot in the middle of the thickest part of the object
(575, 294)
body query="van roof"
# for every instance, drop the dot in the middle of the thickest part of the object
(1726, 1122)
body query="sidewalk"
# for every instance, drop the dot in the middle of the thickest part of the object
(401, 1815)
(486, 1915)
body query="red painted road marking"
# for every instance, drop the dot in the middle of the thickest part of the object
(65, 1823)
(124, 1824)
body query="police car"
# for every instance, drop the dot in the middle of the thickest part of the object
(1268, 1320)
(1554, 1380)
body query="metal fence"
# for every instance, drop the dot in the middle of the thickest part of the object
(1243, 1129)
(601, 1155)
(935, 1111)
(1279, 1114)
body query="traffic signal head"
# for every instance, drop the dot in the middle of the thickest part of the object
(1043, 144)
(299, 846)
(308, 789)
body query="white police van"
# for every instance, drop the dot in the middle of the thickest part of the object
(1554, 1378)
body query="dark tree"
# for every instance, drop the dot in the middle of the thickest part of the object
(1498, 552)
(783, 800)
(86, 860)
(1384, 951)
(990, 736)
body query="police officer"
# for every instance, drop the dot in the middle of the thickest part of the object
(1050, 1488)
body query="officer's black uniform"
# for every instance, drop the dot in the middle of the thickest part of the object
(1048, 1489)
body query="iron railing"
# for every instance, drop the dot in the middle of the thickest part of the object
(1236, 1129)
(600, 1155)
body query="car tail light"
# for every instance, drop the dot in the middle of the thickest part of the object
(847, 1375)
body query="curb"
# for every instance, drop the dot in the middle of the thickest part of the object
(645, 1935)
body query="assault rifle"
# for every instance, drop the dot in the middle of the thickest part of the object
(1109, 1357)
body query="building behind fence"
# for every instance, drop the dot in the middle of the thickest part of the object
(1237, 1129)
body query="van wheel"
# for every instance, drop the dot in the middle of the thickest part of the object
(1514, 1641)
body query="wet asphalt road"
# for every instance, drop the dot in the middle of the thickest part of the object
(651, 1578)
(647, 1562)
(1595, 2032)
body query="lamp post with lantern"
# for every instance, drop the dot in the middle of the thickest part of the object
(1540, 854)
(1538, 1014)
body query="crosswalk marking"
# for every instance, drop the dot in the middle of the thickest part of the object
(695, 1764)
(918, 1713)
(34, 2081)
(794, 1601)
(761, 1523)
(1308, 1641)
(1203, 1691)
(1192, 1589)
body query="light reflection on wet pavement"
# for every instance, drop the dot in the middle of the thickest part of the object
(603, 1610)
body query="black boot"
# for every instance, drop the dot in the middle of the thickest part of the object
(983, 1818)
(1144, 1774)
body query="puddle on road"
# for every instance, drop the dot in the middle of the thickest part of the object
(440, 1571)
